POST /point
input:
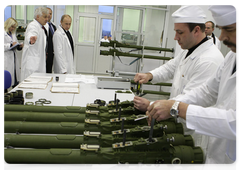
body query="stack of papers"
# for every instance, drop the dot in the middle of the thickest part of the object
(88, 79)
(65, 88)
(36, 82)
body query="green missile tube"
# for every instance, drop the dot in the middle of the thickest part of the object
(73, 141)
(34, 108)
(114, 52)
(67, 109)
(62, 127)
(139, 47)
(67, 116)
(140, 151)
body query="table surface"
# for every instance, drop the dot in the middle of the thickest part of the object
(88, 93)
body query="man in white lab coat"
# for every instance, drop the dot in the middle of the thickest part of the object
(192, 67)
(63, 44)
(216, 114)
(35, 45)
(209, 33)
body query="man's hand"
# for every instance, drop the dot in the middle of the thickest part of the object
(141, 103)
(160, 110)
(143, 77)
(33, 39)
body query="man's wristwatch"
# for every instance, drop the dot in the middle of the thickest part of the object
(174, 109)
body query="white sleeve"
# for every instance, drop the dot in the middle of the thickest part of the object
(212, 121)
(166, 71)
(206, 94)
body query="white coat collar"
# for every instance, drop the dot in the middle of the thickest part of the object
(37, 22)
(61, 30)
(204, 46)
(64, 34)
(6, 35)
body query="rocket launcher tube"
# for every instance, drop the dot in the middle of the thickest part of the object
(132, 152)
(62, 127)
(64, 109)
(33, 108)
(38, 116)
(73, 141)
(79, 128)
(118, 44)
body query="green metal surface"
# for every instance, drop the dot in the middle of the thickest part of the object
(139, 47)
(73, 141)
(115, 52)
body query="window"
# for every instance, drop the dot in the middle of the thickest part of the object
(7, 12)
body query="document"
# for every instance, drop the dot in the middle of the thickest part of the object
(17, 44)
(42, 79)
(65, 88)
(33, 85)
(87, 79)
(36, 82)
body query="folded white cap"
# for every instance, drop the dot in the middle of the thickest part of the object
(223, 14)
(189, 14)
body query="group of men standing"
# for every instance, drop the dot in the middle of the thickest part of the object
(46, 47)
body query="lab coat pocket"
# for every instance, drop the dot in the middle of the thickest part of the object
(183, 85)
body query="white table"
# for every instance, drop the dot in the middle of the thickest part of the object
(88, 93)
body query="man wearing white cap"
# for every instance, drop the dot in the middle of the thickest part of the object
(216, 114)
(192, 67)
(198, 60)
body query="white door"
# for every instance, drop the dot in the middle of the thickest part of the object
(86, 42)
(90, 29)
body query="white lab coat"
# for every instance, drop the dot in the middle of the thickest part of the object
(219, 120)
(34, 56)
(190, 72)
(63, 56)
(217, 41)
(9, 54)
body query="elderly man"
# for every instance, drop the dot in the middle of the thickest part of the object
(35, 45)
(211, 108)
(63, 47)
(209, 32)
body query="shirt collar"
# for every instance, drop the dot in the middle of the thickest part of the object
(193, 48)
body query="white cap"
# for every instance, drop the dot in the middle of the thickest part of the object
(223, 14)
(189, 14)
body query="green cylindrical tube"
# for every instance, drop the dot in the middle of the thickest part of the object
(73, 141)
(60, 109)
(139, 47)
(108, 155)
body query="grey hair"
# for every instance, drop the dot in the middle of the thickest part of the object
(39, 11)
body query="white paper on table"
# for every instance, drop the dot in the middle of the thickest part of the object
(38, 79)
(33, 85)
(79, 78)
(65, 88)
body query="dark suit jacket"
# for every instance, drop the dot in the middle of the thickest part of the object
(50, 52)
